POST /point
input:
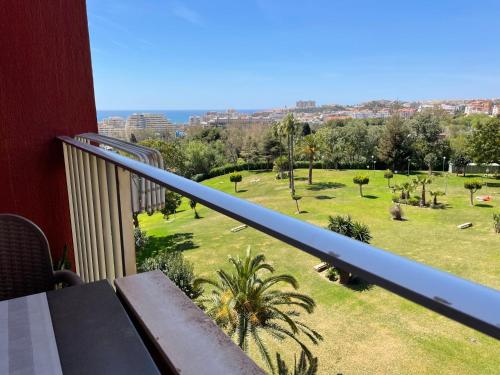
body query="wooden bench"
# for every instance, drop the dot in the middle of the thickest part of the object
(181, 338)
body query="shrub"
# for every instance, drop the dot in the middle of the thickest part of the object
(496, 222)
(396, 198)
(192, 204)
(414, 201)
(176, 268)
(332, 274)
(396, 212)
(473, 186)
(140, 239)
(361, 180)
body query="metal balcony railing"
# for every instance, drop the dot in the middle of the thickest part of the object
(99, 186)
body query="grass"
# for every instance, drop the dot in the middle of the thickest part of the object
(370, 331)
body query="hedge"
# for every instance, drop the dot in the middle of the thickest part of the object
(263, 165)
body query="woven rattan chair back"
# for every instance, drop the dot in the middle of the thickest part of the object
(25, 262)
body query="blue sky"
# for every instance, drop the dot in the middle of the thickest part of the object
(162, 54)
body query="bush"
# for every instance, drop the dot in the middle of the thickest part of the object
(396, 198)
(332, 274)
(140, 239)
(496, 222)
(346, 226)
(414, 201)
(176, 268)
(396, 212)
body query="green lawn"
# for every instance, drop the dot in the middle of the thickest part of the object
(370, 331)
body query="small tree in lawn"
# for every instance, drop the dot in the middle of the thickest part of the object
(361, 180)
(473, 186)
(192, 204)
(172, 203)
(297, 198)
(353, 229)
(235, 178)
(434, 195)
(388, 175)
(496, 222)
(423, 181)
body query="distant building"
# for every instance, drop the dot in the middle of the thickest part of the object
(496, 110)
(154, 123)
(407, 113)
(305, 104)
(194, 120)
(479, 107)
(112, 127)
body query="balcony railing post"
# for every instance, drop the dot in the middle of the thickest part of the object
(126, 223)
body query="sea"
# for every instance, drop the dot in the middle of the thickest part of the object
(175, 116)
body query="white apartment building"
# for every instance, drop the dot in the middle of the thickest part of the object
(112, 127)
(155, 123)
(496, 110)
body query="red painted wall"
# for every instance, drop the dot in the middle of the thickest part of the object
(46, 90)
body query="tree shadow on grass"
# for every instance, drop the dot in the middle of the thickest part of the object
(370, 196)
(484, 205)
(241, 191)
(169, 243)
(358, 284)
(322, 197)
(325, 185)
(300, 178)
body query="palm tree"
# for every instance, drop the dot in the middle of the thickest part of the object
(303, 367)
(247, 304)
(288, 127)
(310, 147)
(346, 226)
(192, 204)
(422, 180)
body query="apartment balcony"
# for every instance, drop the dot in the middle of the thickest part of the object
(178, 337)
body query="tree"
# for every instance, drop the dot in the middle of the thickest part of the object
(297, 198)
(132, 138)
(248, 304)
(280, 165)
(288, 127)
(426, 129)
(423, 181)
(484, 142)
(361, 180)
(394, 144)
(177, 269)
(435, 194)
(473, 186)
(388, 175)
(173, 154)
(430, 160)
(346, 226)
(460, 161)
(406, 189)
(193, 204)
(235, 178)
(310, 147)
(305, 366)
(172, 203)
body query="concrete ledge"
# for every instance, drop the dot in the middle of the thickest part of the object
(186, 340)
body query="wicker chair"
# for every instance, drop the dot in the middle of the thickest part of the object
(25, 262)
